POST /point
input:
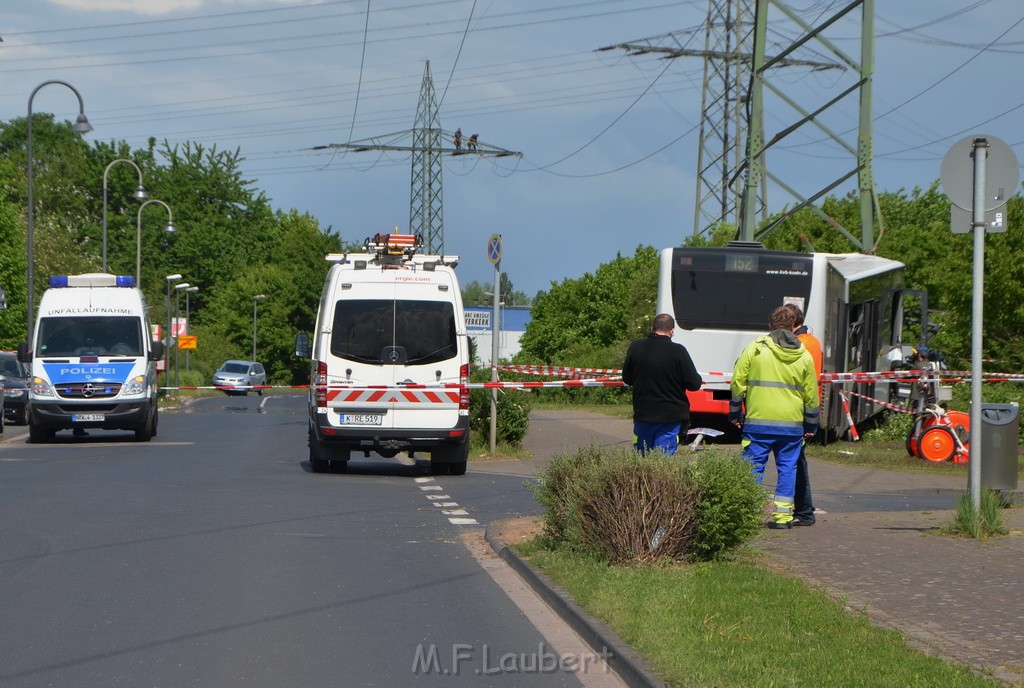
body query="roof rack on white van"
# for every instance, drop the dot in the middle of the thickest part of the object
(391, 250)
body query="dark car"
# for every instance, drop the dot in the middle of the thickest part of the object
(15, 377)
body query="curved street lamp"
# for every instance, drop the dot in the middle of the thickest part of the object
(255, 300)
(188, 324)
(81, 126)
(139, 195)
(168, 339)
(138, 237)
(177, 318)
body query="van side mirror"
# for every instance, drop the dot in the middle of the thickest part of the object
(156, 351)
(24, 353)
(302, 345)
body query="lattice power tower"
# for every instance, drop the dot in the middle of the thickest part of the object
(429, 143)
(731, 162)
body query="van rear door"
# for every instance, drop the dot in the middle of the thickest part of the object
(395, 335)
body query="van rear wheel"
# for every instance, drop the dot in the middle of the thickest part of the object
(326, 459)
(451, 458)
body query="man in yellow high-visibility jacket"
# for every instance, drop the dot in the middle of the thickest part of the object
(775, 403)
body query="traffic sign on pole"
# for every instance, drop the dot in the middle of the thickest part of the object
(494, 249)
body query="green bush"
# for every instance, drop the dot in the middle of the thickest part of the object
(625, 508)
(893, 428)
(557, 484)
(513, 414)
(730, 506)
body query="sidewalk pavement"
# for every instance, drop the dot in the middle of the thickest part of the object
(958, 598)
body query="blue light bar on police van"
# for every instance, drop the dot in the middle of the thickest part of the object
(93, 279)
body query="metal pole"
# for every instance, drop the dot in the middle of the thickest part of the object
(167, 336)
(254, 301)
(177, 351)
(140, 194)
(258, 297)
(494, 356)
(188, 326)
(81, 126)
(977, 317)
(755, 128)
(187, 351)
(138, 241)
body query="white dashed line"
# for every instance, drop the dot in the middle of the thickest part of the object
(456, 514)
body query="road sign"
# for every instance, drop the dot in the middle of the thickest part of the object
(188, 341)
(494, 249)
(961, 220)
(1001, 172)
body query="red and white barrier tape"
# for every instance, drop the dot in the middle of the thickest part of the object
(608, 377)
(898, 408)
(557, 371)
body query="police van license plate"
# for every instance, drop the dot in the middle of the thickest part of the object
(360, 418)
(87, 417)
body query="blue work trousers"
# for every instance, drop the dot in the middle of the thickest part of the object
(786, 448)
(663, 436)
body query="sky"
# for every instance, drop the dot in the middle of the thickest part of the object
(609, 140)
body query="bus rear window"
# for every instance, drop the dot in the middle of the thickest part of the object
(385, 331)
(735, 290)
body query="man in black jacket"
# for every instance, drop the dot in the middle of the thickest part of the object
(660, 371)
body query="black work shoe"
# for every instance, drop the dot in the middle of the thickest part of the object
(775, 525)
(802, 521)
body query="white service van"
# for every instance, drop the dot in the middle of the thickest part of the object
(92, 358)
(390, 358)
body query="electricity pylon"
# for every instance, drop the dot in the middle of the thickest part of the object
(731, 162)
(861, 150)
(429, 143)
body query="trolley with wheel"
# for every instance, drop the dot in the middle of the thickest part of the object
(937, 434)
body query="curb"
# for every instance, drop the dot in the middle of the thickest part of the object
(630, 667)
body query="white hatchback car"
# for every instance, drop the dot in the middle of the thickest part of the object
(238, 377)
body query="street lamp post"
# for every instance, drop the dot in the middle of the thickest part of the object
(255, 299)
(81, 126)
(168, 338)
(188, 325)
(138, 241)
(139, 195)
(177, 319)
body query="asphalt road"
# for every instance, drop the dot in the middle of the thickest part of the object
(212, 556)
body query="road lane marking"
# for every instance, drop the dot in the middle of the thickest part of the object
(456, 514)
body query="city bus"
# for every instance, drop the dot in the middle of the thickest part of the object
(857, 304)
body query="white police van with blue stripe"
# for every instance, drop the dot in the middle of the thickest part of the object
(92, 358)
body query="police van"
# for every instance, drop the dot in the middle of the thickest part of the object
(390, 358)
(92, 358)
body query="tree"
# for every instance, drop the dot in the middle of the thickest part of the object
(63, 231)
(477, 294)
(591, 317)
(12, 277)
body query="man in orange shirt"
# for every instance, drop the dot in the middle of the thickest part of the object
(803, 506)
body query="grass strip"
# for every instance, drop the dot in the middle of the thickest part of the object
(735, 623)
